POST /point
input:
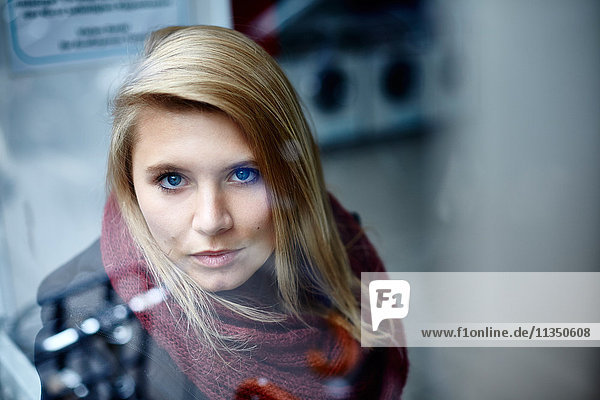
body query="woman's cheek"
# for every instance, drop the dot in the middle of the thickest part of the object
(164, 226)
(258, 217)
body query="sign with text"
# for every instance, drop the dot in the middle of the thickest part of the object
(57, 32)
(480, 309)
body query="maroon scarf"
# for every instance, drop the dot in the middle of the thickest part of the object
(289, 361)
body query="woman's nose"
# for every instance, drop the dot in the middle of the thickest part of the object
(211, 214)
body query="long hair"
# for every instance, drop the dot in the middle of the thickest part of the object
(213, 68)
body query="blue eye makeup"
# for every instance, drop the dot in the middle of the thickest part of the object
(245, 175)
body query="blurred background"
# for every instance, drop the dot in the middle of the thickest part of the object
(466, 134)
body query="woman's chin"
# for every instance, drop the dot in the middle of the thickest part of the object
(219, 285)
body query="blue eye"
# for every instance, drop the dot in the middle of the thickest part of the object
(170, 181)
(245, 175)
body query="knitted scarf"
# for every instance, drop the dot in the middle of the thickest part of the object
(288, 360)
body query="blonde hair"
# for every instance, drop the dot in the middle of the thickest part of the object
(213, 68)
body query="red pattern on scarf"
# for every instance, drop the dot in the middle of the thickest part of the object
(282, 358)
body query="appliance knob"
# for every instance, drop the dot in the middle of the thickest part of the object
(332, 89)
(399, 80)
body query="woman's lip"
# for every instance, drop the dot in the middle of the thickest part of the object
(216, 259)
(214, 252)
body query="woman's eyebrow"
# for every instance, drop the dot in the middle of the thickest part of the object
(240, 164)
(162, 167)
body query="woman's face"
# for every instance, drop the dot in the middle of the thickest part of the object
(202, 196)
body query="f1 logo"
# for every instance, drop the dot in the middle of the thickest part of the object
(389, 299)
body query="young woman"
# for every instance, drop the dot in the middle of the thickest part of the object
(219, 236)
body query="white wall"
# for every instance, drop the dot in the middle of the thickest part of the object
(521, 189)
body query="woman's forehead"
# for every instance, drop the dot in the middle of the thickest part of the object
(200, 138)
